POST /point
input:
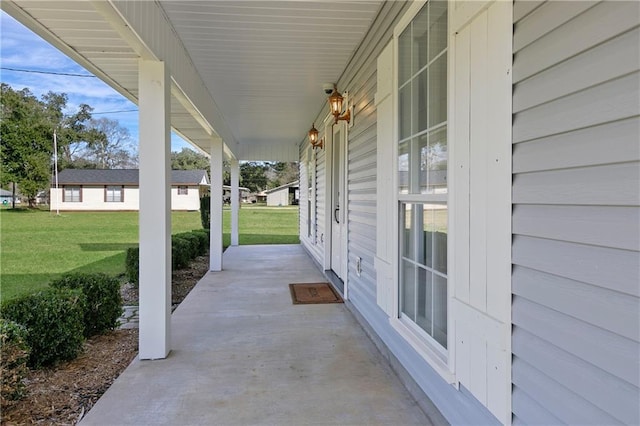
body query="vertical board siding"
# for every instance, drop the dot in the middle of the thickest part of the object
(576, 213)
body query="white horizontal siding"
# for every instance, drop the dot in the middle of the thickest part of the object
(576, 213)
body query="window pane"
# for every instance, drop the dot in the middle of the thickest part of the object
(404, 56)
(438, 91)
(408, 289)
(404, 105)
(436, 224)
(420, 40)
(407, 237)
(425, 309)
(440, 309)
(437, 27)
(421, 101)
(433, 162)
(404, 155)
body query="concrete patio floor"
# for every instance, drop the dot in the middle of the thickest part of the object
(243, 354)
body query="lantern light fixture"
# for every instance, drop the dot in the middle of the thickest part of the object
(313, 138)
(335, 103)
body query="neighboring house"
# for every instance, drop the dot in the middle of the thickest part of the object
(226, 193)
(284, 195)
(505, 287)
(118, 189)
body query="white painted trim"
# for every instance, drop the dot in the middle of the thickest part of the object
(215, 249)
(328, 173)
(432, 355)
(480, 278)
(155, 210)
(235, 201)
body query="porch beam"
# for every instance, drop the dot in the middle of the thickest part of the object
(215, 250)
(235, 201)
(155, 209)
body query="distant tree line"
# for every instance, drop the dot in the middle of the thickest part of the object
(254, 175)
(28, 124)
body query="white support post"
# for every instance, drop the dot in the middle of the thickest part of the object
(235, 200)
(155, 210)
(215, 251)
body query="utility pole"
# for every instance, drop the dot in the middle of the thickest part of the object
(55, 166)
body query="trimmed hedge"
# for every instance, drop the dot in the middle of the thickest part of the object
(194, 243)
(181, 253)
(185, 247)
(104, 302)
(203, 241)
(54, 319)
(132, 264)
(14, 354)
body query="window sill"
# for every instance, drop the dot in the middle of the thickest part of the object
(430, 354)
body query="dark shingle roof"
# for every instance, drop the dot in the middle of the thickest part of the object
(125, 177)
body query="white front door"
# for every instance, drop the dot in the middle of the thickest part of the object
(338, 227)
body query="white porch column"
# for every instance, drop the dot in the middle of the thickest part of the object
(155, 210)
(215, 250)
(235, 200)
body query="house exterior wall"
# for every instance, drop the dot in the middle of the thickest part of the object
(458, 405)
(278, 198)
(576, 215)
(190, 201)
(93, 200)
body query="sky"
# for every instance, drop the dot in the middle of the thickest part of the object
(22, 49)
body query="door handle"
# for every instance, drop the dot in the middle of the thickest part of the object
(335, 215)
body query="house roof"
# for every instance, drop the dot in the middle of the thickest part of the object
(126, 177)
(5, 193)
(288, 185)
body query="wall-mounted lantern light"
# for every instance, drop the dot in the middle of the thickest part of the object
(313, 138)
(335, 103)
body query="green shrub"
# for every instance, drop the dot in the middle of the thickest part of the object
(203, 241)
(104, 302)
(14, 354)
(132, 264)
(205, 212)
(194, 243)
(54, 319)
(180, 253)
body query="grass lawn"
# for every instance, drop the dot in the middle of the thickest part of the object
(37, 246)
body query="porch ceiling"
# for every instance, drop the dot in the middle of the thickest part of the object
(262, 62)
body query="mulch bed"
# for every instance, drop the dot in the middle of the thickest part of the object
(63, 394)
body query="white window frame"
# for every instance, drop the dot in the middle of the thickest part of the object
(182, 188)
(440, 359)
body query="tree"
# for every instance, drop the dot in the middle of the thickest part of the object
(109, 145)
(282, 173)
(253, 175)
(188, 159)
(26, 133)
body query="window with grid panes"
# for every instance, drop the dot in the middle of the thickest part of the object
(422, 173)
